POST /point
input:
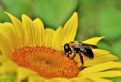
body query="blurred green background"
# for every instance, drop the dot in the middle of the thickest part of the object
(96, 17)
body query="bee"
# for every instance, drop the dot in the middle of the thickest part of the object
(79, 48)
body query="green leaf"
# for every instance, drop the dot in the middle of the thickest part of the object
(7, 78)
(17, 7)
(103, 45)
(110, 23)
(116, 48)
(54, 12)
(116, 79)
(87, 18)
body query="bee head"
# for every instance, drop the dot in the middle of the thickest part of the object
(66, 46)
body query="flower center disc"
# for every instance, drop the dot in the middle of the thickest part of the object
(46, 62)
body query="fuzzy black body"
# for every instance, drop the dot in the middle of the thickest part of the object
(79, 48)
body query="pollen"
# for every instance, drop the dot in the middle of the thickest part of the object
(47, 62)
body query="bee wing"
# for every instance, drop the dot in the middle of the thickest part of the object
(87, 51)
(90, 45)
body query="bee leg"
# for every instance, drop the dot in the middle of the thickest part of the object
(81, 58)
(68, 55)
(82, 61)
(70, 52)
(74, 55)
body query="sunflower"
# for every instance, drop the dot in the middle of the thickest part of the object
(31, 53)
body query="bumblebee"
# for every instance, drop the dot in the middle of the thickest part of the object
(79, 48)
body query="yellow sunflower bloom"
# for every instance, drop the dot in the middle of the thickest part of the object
(34, 54)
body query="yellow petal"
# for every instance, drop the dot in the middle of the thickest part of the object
(23, 73)
(93, 41)
(100, 56)
(5, 48)
(28, 30)
(100, 59)
(59, 80)
(6, 44)
(100, 67)
(112, 73)
(97, 79)
(1, 57)
(99, 52)
(8, 31)
(70, 28)
(16, 22)
(48, 37)
(8, 66)
(36, 79)
(80, 79)
(69, 31)
(55, 39)
(38, 32)
(18, 30)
